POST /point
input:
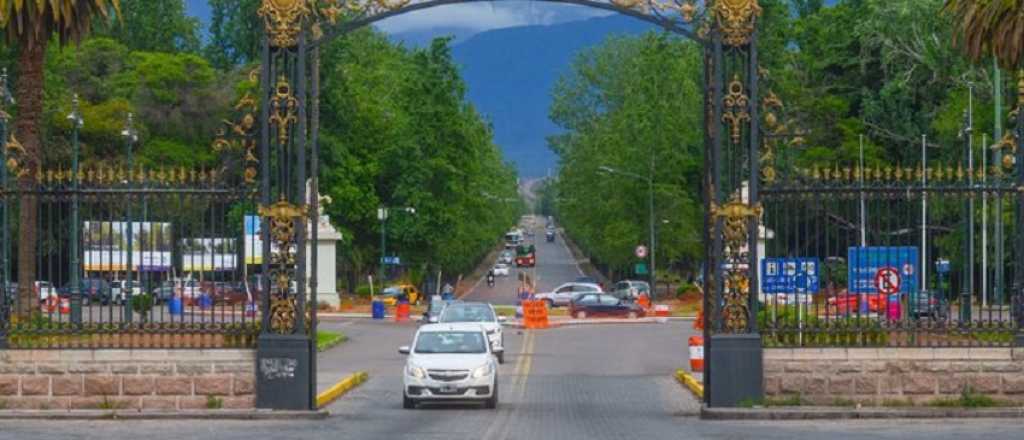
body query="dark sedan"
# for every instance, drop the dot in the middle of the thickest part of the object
(590, 305)
(93, 290)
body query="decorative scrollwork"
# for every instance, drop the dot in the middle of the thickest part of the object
(282, 315)
(736, 19)
(281, 217)
(16, 157)
(735, 216)
(283, 106)
(283, 21)
(240, 135)
(736, 111)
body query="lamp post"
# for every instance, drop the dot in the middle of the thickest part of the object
(76, 293)
(5, 239)
(382, 214)
(650, 217)
(131, 137)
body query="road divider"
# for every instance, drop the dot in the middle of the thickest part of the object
(339, 389)
(690, 382)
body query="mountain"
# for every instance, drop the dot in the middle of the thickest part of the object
(510, 73)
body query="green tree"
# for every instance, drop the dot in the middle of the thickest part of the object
(989, 27)
(31, 25)
(235, 33)
(154, 26)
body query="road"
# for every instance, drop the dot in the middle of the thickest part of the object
(555, 265)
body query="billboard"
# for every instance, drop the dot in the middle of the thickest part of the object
(883, 269)
(209, 254)
(105, 246)
(790, 275)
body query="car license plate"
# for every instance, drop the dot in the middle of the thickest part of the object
(448, 388)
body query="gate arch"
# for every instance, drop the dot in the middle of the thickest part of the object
(288, 159)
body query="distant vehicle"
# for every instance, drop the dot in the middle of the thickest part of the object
(122, 290)
(433, 313)
(526, 256)
(501, 270)
(224, 292)
(507, 257)
(550, 236)
(43, 290)
(480, 313)
(513, 238)
(391, 294)
(603, 305)
(927, 304)
(630, 289)
(563, 295)
(450, 362)
(93, 290)
(590, 280)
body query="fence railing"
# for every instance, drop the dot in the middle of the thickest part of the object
(129, 262)
(885, 260)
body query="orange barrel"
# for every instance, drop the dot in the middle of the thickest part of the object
(65, 306)
(644, 301)
(402, 312)
(697, 354)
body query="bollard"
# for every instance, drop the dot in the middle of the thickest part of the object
(402, 312)
(377, 309)
(697, 354)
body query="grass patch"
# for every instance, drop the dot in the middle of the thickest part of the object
(839, 401)
(108, 404)
(793, 400)
(214, 402)
(325, 340)
(968, 399)
(3, 404)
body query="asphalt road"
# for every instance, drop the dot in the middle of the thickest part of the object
(555, 265)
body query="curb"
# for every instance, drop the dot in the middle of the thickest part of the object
(338, 340)
(339, 389)
(253, 414)
(692, 383)
(832, 413)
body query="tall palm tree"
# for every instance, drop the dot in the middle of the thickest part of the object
(30, 25)
(989, 27)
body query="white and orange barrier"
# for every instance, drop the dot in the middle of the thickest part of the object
(697, 354)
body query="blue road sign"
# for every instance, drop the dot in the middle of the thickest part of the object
(883, 269)
(790, 275)
(391, 261)
(942, 266)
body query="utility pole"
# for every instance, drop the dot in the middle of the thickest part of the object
(863, 212)
(984, 226)
(76, 265)
(5, 239)
(650, 212)
(997, 94)
(924, 212)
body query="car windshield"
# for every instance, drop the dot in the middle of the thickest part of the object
(391, 291)
(468, 314)
(451, 342)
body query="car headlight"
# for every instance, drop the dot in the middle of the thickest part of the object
(415, 371)
(481, 371)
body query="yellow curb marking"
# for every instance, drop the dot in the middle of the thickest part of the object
(339, 389)
(690, 382)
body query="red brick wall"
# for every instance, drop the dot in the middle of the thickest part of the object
(127, 379)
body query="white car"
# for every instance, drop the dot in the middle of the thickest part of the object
(507, 257)
(501, 270)
(482, 314)
(450, 362)
(118, 289)
(563, 294)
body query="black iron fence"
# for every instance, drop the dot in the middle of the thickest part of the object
(108, 258)
(890, 257)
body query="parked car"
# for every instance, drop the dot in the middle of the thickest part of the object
(483, 314)
(189, 289)
(928, 304)
(846, 303)
(501, 270)
(43, 290)
(122, 290)
(590, 280)
(450, 362)
(603, 305)
(93, 290)
(391, 294)
(224, 292)
(563, 295)
(631, 289)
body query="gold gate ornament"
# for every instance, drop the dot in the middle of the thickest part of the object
(283, 20)
(736, 19)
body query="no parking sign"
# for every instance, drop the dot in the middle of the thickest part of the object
(883, 269)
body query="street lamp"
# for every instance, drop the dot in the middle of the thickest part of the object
(382, 214)
(76, 295)
(650, 216)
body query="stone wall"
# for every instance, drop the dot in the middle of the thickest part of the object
(127, 379)
(874, 376)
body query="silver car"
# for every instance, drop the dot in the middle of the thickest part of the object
(564, 294)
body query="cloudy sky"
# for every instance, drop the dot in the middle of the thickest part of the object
(471, 17)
